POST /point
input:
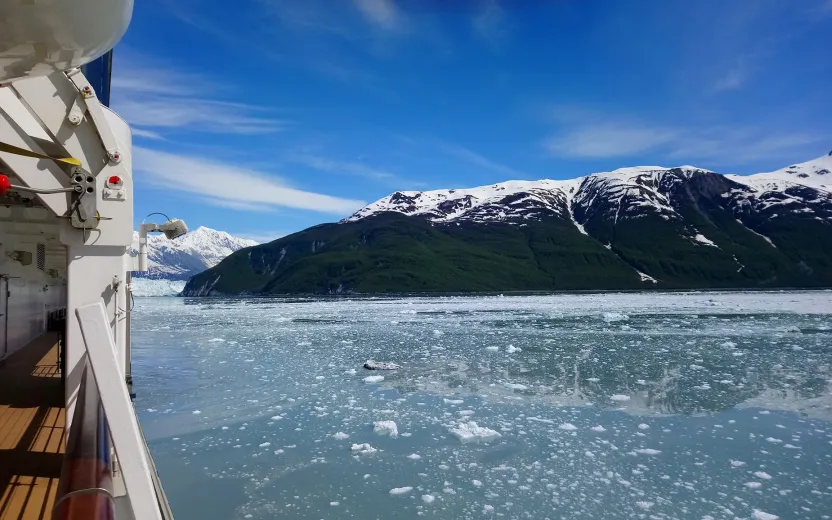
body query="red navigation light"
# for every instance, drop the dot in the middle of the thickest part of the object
(114, 180)
(4, 184)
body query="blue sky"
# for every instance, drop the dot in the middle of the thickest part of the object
(270, 116)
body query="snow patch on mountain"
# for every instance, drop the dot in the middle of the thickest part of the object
(192, 253)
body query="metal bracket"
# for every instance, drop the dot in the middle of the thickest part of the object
(96, 113)
(84, 210)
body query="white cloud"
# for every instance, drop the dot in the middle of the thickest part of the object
(197, 115)
(733, 79)
(490, 21)
(586, 134)
(157, 98)
(147, 134)
(380, 12)
(479, 160)
(607, 140)
(230, 186)
(333, 166)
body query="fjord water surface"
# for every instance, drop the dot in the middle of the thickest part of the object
(684, 405)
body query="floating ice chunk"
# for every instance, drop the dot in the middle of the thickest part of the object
(453, 401)
(643, 426)
(380, 365)
(753, 485)
(265, 444)
(373, 379)
(362, 448)
(568, 427)
(737, 463)
(340, 436)
(598, 429)
(487, 508)
(619, 397)
(696, 367)
(511, 349)
(773, 440)
(490, 349)
(386, 428)
(466, 413)
(762, 474)
(320, 378)
(216, 340)
(428, 499)
(476, 483)
(351, 372)
(401, 490)
(648, 451)
(196, 412)
(449, 491)
(278, 452)
(762, 515)
(610, 317)
(472, 432)
(592, 379)
(645, 505)
(516, 386)
(414, 456)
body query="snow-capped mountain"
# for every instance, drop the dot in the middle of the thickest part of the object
(624, 193)
(631, 228)
(181, 258)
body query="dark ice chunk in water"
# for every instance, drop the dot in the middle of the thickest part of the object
(380, 365)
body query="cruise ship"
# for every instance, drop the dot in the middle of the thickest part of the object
(70, 443)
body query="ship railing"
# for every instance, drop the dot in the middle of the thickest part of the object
(104, 420)
(86, 485)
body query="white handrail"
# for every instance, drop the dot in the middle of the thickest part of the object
(124, 426)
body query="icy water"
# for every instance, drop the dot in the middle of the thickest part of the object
(698, 405)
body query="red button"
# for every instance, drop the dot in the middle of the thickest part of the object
(115, 179)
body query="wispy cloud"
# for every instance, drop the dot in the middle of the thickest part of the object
(585, 134)
(325, 164)
(197, 115)
(734, 78)
(478, 159)
(231, 186)
(382, 13)
(354, 168)
(489, 23)
(147, 134)
(608, 140)
(159, 98)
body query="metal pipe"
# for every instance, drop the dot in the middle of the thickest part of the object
(39, 191)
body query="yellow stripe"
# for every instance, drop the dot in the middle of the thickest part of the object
(4, 147)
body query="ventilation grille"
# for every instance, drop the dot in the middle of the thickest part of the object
(41, 257)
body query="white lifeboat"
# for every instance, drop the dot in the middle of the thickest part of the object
(40, 37)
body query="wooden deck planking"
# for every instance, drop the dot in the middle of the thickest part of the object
(32, 420)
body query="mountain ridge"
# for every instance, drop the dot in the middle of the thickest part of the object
(636, 227)
(190, 254)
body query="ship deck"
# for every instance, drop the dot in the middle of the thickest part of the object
(32, 420)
